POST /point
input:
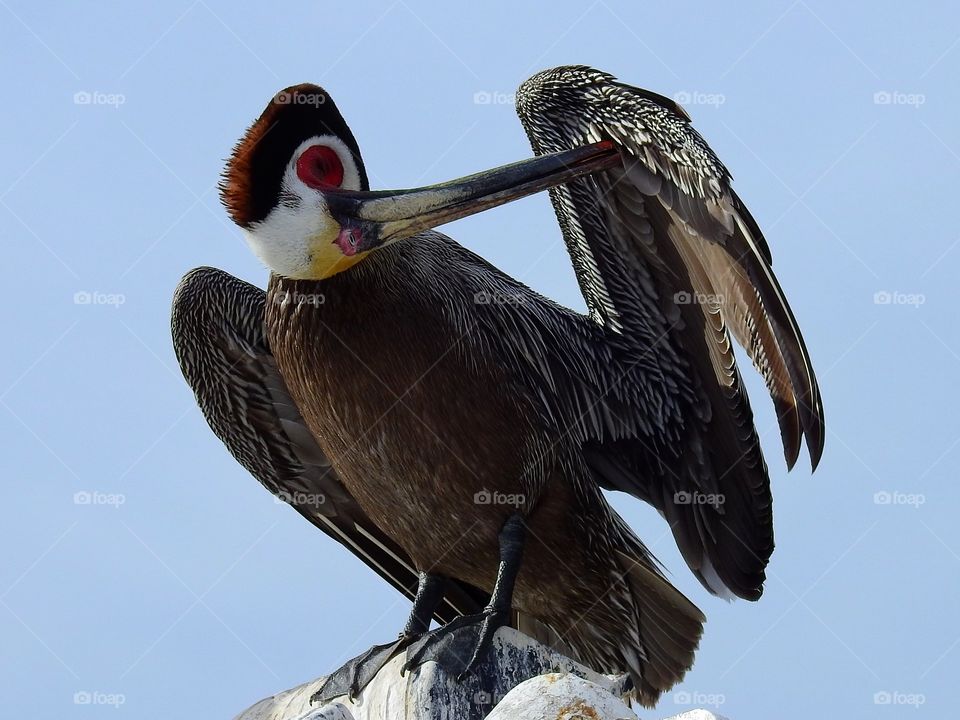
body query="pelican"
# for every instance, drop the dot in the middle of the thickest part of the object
(455, 430)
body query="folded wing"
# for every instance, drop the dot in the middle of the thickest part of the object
(218, 336)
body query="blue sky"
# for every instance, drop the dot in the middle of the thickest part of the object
(172, 580)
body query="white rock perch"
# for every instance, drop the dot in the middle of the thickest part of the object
(521, 680)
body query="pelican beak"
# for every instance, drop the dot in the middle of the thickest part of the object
(369, 220)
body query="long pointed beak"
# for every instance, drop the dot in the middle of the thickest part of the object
(371, 219)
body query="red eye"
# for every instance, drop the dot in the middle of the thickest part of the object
(319, 167)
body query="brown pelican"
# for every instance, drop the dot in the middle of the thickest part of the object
(455, 429)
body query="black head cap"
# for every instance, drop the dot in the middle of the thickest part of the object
(250, 186)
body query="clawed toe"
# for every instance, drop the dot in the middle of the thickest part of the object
(459, 645)
(351, 678)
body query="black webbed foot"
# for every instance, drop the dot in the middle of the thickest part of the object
(459, 645)
(354, 675)
(357, 673)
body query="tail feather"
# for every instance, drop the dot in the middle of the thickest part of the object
(670, 629)
(642, 626)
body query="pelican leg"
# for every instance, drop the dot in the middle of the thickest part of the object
(461, 644)
(356, 674)
(429, 594)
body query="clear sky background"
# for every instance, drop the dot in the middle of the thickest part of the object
(181, 584)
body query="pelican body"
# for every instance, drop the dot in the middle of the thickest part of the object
(459, 426)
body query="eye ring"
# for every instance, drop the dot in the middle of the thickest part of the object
(319, 167)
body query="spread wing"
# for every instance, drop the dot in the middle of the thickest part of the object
(217, 326)
(671, 264)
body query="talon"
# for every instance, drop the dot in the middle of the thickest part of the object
(355, 674)
(470, 636)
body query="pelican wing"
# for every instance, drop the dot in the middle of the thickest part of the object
(671, 264)
(218, 336)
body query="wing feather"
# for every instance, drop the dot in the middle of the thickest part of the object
(671, 265)
(217, 327)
